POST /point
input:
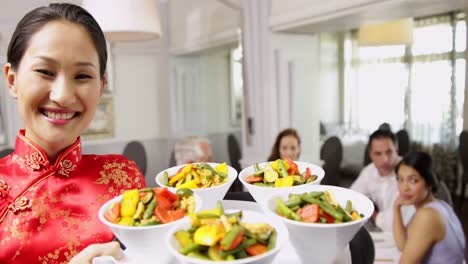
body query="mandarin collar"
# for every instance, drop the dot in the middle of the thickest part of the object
(35, 159)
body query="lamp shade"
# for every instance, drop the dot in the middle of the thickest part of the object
(398, 32)
(126, 20)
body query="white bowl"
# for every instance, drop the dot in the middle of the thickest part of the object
(259, 193)
(248, 217)
(210, 195)
(316, 242)
(146, 240)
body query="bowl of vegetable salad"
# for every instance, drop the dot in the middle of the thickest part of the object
(141, 218)
(261, 179)
(322, 220)
(232, 236)
(209, 180)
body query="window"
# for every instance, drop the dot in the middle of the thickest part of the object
(419, 87)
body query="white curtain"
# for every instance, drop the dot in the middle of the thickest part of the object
(418, 87)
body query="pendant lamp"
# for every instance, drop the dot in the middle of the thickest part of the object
(398, 32)
(126, 20)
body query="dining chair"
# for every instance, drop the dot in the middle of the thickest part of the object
(463, 153)
(403, 141)
(362, 247)
(172, 159)
(5, 152)
(235, 154)
(135, 151)
(331, 153)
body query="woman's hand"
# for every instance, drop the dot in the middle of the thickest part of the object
(95, 250)
(398, 203)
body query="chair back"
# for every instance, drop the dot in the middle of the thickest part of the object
(362, 247)
(463, 150)
(332, 155)
(135, 151)
(5, 152)
(172, 159)
(443, 193)
(403, 141)
(235, 154)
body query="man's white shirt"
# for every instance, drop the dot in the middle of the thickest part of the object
(383, 191)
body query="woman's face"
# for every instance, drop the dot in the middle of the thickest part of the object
(411, 185)
(57, 84)
(289, 148)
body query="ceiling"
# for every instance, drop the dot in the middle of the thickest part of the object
(378, 12)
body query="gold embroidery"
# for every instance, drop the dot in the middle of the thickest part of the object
(21, 203)
(66, 166)
(4, 189)
(114, 172)
(35, 161)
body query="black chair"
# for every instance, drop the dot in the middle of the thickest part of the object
(5, 152)
(323, 130)
(362, 247)
(135, 151)
(403, 141)
(235, 154)
(172, 159)
(463, 152)
(332, 155)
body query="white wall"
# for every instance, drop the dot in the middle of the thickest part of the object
(329, 79)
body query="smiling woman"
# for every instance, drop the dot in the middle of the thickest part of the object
(49, 190)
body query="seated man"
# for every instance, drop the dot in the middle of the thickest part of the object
(193, 149)
(378, 179)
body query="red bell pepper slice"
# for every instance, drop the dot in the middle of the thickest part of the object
(293, 168)
(307, 176)
(252, 179)
(309, 213)
(256, 249)
(113, 213)
(329, 218)
(165, 193)
(167, 216)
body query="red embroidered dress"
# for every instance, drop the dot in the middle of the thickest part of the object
(49, 212)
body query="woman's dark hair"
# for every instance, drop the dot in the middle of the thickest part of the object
(422, 163)
(37, 18)
(275, 150)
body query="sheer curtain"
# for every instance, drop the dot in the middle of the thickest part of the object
(418, 87)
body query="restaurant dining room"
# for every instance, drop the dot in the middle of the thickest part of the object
(271, 131)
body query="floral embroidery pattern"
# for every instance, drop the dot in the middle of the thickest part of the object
(3, 189)
(19, 204)
(114, 173)
(66, 166)
(35, 161)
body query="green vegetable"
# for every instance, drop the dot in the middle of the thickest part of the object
(272, 240)
(284, 210)
(226, 242)
(150, 209)
(189, 248)
(270, 176)
(184, 192)
(166, 178)
(282, 168)
(256, 167)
